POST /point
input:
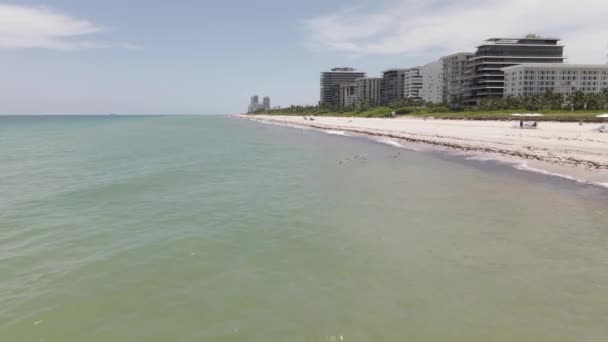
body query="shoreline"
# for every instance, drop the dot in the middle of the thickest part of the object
(572, 117)
(559, 149)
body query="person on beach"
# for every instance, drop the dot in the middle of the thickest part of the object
(521, 123)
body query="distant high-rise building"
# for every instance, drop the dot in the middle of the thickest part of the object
(454, 69)
(412, 83)
(266, 103)
(333, 78)
(432, 82)
(367, 91)
(400, 83)
(256, 106)
(392, 88)
(485, 77)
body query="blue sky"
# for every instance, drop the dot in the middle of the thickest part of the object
(206, 57)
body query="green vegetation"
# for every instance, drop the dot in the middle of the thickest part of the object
(578, 106)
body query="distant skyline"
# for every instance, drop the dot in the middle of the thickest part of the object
(209, 57)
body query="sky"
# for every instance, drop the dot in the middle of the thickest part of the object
(210, 56)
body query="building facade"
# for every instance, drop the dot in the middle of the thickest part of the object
(333, 78)
(266, 103)
(536, 79)
(432, 82)
(412, 83)
(344, 95)
(485, 77)
(392, 86)
(398, 84)
(254, 104)
(367, 91)
(454, 67)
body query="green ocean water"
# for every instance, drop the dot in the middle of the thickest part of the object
(218, 229)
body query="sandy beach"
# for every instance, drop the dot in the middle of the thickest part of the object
(559, 148)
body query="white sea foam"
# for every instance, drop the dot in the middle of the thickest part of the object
(391, 142)
(388, 141)
(603, 185)
(524, 167)
(479, 157)
(333, 132)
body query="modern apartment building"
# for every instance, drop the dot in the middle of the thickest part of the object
(412, 83)
(400, 83)
(392, 85)
(485, 77)
(432, 82)
(367, 90)
(454, 67)
(536, 79)
(333, 78)
(344, 95)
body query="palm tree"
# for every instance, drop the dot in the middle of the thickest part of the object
(576, 100)
(592, 101)
(603, 99)
(552, 100)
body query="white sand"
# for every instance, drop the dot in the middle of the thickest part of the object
(567, 147)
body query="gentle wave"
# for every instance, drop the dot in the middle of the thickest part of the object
(333, 132)
(524, 167)
(394, 143)
(483, 158)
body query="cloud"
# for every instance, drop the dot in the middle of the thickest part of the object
(425, 28)
(26, 27)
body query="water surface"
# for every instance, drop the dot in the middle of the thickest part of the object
(215, 229)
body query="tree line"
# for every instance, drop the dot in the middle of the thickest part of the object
(550, 100)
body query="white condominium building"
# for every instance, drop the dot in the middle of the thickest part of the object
(454, 69)
(367, 90)
(412, 83)
(432, 82)
(535, 79)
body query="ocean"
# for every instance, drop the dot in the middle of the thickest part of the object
(206, 228)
